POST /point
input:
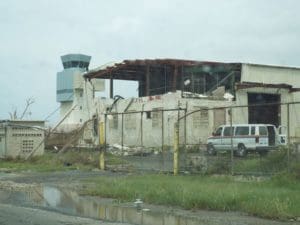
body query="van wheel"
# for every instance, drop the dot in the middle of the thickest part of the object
(241, 151)
(211, 150)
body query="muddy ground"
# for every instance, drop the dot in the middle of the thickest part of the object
(11, 214)
(16, 209)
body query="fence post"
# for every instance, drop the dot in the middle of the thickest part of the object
(162, 139)
(176, 148)
(185, 137)
(141, 124)
(162, 130)
(231, 141)
(122, 138)
(102, 146)
(288, 136)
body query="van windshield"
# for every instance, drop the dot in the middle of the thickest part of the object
(218, 132)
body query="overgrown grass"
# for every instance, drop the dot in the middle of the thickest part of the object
(278, 198)
(274, 162)
(50, 161)
(70, 160)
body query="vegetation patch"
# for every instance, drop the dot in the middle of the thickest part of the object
(277, 198)
(50, 161)
(274, 162)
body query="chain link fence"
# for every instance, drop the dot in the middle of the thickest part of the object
(144, 140)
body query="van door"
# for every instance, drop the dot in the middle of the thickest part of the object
(263, 136)
(226, 139)
(271, 135)
(282, 135)
(217, 138)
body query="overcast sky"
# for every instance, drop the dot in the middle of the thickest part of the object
(35, 33)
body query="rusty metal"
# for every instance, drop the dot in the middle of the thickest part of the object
(137, 67)
(245, 85)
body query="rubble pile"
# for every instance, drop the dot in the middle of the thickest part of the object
(117, 150)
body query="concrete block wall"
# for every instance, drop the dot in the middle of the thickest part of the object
(146, 128)
(21, 142)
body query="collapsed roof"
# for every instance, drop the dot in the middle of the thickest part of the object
(159, 76)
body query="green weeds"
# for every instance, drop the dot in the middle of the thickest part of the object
(268, 199)
(54, 162)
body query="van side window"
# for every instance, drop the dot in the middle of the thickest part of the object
(263, 131)
(242, 131)
(228, 131)
(252, 130)
(218, 131)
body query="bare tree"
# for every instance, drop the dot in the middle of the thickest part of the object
(14, 115)
(29, 102)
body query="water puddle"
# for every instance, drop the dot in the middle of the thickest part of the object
(69, 202)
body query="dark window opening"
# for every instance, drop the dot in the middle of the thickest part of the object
(95, 126)
(148, 115)
(74, 64)
(205, 79)
(261, 110)
(271, 135)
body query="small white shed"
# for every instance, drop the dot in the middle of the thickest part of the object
(19, 138)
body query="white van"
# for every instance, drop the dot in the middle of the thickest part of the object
(244, 138)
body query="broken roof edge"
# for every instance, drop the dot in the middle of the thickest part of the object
(110, 67)
(103, 67)
(246, 85)
(272, 65)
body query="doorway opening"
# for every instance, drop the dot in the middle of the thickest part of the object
(267, 114)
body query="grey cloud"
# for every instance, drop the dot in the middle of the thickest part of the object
(34, 34)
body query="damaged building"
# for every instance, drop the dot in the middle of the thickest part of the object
(21, 138)
(169, 89)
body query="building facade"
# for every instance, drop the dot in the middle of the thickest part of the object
(170, 89)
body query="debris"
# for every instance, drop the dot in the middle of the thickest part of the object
(117, 150)
(138, 204)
